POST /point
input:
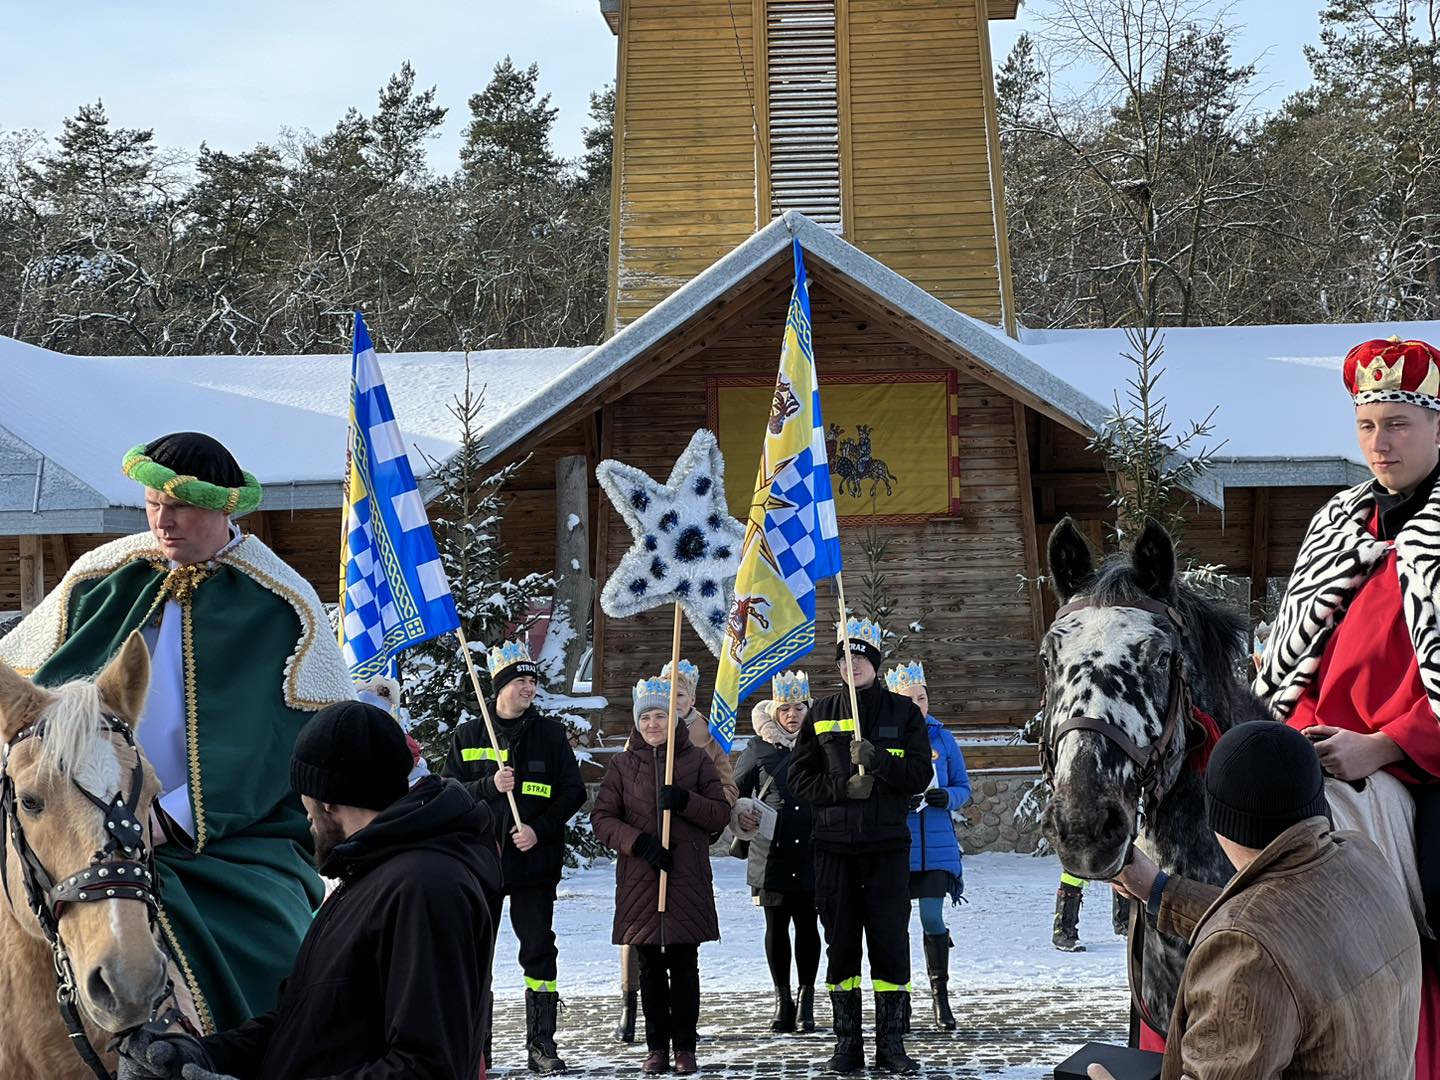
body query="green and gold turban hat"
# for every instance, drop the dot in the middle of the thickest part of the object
(195, 469)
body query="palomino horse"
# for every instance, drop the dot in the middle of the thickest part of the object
(77, 794)
(1133, 657)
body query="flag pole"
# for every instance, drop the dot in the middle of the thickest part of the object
(485, 712)
(670, 750)
(849, 663)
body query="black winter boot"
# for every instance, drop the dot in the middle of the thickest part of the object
(849, 1056)
(784, 1019)
(937, 966)
(541, 1016)
(890, 1053)
(805, 1007)
(904, 1012)
(1120, 915)
(489, 1027)
(625, 1026)
(1066, 936)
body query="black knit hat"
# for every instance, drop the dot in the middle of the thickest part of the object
(1263, 777)
(860, 648)
(191, 453)
(353, 754)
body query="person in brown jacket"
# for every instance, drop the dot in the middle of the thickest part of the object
(628, 817)
(687, 685)
(1307, 964)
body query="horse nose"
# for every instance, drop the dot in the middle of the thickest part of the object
(125, 989)
(97, 988)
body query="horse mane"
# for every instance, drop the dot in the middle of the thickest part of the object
(72, 744)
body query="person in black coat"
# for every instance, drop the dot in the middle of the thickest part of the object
(536, 764)
(390, 977)
(781, 871)
(858, 774)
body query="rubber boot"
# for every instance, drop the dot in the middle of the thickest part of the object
(1066, 935)
(805, 1007)
(849, 1056)
(937, 966)
(784, 1019)
(890, 1053)
(541, 1016)
(625, 1026)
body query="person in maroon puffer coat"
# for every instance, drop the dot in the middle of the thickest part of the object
(627, 817)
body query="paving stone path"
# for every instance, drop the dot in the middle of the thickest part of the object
(1004, 1034)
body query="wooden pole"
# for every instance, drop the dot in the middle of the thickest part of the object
(485, 712)
(849, 663)
(670, 750)
(32, 572)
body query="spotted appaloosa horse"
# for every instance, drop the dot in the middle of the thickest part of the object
(1118, 656)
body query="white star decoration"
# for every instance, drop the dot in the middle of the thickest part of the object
(687, 546)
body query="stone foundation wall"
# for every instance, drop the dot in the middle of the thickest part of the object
(990, 822)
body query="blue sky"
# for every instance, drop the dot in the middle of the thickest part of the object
(235, 74)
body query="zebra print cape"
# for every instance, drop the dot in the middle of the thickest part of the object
(1336, 557)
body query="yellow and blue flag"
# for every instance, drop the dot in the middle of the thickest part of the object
(792, 538)
(393, 589)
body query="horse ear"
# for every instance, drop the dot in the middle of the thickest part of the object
(1154, 561)
(1072, 563)
(21, 702)
(126, 679)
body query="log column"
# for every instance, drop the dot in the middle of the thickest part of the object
(574, 588)
(32, 573)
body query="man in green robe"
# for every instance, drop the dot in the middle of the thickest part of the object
(242, 655)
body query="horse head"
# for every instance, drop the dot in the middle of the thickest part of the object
(69, 755)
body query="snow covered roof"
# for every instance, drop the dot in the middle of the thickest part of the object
(66, 421)
(1280, 409)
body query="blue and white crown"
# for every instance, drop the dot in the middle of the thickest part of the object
(902, 677)
(860, 630)
(689, 674)
(790, 687)
(507, 654)
(651, 694)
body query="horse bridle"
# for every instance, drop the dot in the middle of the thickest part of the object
(1150, 760)
(123, 869)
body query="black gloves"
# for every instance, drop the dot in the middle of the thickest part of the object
(938, 797)
(916, 801)
(864, 754)
(674, 798)
(151, 1054)
(860, 787)
(648, 848)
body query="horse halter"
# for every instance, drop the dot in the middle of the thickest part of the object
(123, 869)
(1150, 760)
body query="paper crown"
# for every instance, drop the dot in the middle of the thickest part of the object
(860, 630)
(508, 654)
(651, 694)
(689, 674)
(902, 677)
(1393, 370)
(790, 687)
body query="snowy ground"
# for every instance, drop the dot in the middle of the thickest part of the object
(1022, 1006)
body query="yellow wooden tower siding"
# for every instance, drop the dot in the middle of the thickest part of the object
(876, 118)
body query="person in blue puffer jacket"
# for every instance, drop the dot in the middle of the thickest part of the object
(936, 871)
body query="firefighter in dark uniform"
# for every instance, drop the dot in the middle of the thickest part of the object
(862, 844)
(534, 761)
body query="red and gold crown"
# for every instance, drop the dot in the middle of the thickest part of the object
(1393, 370)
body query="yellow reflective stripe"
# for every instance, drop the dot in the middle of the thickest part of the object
(883, 987)
(825, 727)
(841, 987)
(534, 787)
(483, 753)
(541, 986)
(895, 751)
(1074, 882)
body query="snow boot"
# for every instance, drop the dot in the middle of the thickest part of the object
(489, 1008)
(1066, 936)
(890, 1053)
(805, 1007)
(542, 1009)
(937, 966)
(849, 1056)
(905, 1013)
(784, 1019)
(625, 1026)
(1120, 915)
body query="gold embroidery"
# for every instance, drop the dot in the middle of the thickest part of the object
(192, 726)
(129, 467)
(232, 502)
(207, 1023)
(182, 581)
(174, 482)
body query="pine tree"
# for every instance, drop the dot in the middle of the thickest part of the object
(598, 162)
(95, 162)
(507, 143)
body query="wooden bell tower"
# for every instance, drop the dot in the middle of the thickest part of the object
(874, 117)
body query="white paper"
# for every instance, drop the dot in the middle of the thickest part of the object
(769, 816)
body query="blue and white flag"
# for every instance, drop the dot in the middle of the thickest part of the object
(393, 588)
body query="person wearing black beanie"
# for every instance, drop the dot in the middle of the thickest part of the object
(1308, 962)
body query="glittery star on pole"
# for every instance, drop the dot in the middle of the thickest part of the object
(687, 546)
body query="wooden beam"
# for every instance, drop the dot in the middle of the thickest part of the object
(59, 554)
(32, 573)
(602, 561)
(1259, 544)
(574, 587)
(1045, 458)
(997, 173)
(259, 524)
(1029, 534)
(617, 173)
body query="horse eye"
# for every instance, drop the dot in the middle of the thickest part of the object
(31, 804)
